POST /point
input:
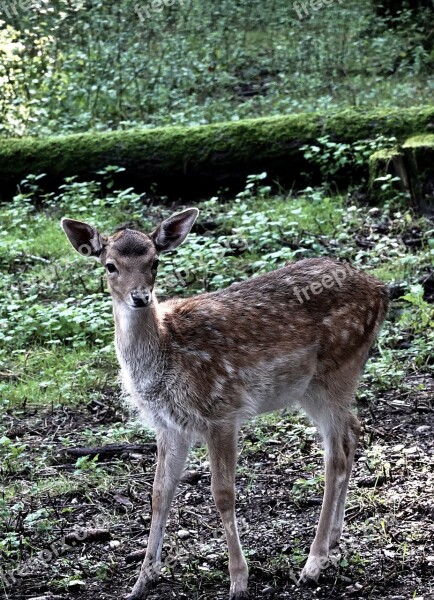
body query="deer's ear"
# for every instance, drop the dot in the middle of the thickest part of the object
(173, 231)
(85, 238)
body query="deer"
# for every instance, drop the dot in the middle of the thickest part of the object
(197, 368)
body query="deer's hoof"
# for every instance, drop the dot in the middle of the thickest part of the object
(136, 596)
(141, 590)
(239, 596)
(312, 569)
(239, 582)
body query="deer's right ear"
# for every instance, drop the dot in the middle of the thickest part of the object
(85, 238)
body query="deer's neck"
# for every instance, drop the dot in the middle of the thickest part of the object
(137, 335)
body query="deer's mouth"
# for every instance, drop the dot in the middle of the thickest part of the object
(139, 306)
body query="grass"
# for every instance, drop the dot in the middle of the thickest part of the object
(35, 377)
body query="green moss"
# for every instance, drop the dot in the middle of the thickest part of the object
(195, 157)
(419, 141)
(380, 163)
(352, 125)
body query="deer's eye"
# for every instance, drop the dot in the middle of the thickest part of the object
(111, 268)
(155, 265)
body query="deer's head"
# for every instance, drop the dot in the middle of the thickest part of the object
(131, 257)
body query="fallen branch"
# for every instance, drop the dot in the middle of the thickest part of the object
(88, 535)
(135, 556)
(47, 598)
(112, 450)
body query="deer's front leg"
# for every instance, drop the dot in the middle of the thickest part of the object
(222, 444)
(172, 453)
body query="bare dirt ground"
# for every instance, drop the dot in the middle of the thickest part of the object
(387, 550)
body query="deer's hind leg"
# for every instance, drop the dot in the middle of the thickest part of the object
(350, 442)
(328, 406)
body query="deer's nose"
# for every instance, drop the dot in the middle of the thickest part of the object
(140, 300)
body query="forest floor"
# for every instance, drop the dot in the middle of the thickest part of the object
(76, 527)
(387, 549)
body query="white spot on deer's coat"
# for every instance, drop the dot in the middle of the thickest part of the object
(228, 367)
(345, 334)
(201, 354)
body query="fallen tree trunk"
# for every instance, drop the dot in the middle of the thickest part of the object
(194, 161)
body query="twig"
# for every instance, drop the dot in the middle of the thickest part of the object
(112, 450)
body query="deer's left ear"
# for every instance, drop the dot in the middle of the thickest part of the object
(173, 231)
(85, 238)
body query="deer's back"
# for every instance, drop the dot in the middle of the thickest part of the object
(282, 310)
(255, 343)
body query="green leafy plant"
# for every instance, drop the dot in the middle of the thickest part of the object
(332, 157)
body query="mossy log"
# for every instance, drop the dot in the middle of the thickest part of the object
(413, 164)
(194, 161)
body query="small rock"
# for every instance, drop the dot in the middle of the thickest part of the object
(114, 544)
(76, 584)
(183, 534)
(267, 590)
(398, 448)
(121, 499)
(212, 557)
(423, 429)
